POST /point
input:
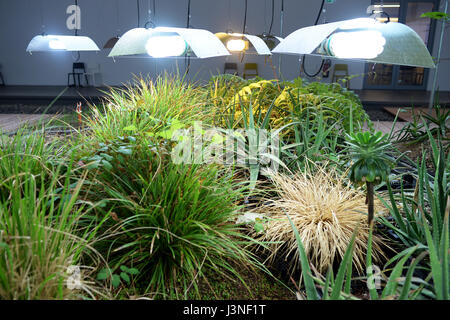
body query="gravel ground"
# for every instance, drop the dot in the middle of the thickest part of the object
(380, 115)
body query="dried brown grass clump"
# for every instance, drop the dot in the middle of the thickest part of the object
(326, 212)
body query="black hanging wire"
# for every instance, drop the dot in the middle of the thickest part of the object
(138, 13)
(42, 18)
(151, 12)
(273, 14)
(76, 17)
(187, 58)
(76, 29)
(188, 22)
(117, 18)
(244, 28)
(304, 56)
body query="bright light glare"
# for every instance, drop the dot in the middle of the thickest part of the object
(166, 46)
(236, 45)
(356, 44)
(360, 23)
(387, 6)
(56, 44)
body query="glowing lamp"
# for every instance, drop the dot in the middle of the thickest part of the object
(236, 45)
(161, 42)
(360, 39)
(367, 44)
(161, 46)
(45, 43)
(56, 44)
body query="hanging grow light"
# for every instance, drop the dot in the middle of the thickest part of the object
(44, 43)
(362, 39)
(244, 43)
(163, 42)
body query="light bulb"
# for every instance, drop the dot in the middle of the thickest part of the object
(166, 46)
(56, 44)
(355, 45)
(236, 45)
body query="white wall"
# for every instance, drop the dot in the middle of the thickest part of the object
(20, 20)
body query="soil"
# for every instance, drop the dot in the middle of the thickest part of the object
(260, 286)
(379, 114)
(416, 150)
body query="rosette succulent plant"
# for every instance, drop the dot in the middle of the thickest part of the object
(371, 162)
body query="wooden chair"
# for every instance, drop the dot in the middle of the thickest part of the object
(250, 70)
(340, 72)
(230, 66)
(78, 70)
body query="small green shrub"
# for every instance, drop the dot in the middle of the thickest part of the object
(171, 222)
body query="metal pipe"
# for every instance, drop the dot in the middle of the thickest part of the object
(281, 33)
(433, 90)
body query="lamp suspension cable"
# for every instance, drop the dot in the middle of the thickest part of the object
(244, 28)
(187, 59)
(281, 32)
(154, 11)
(117, 17)
(188, 21)
(41, 9)
(151, 15)
(435, 76)
(76, 17)
(138, 13)
(273, 14)
(76, 29)
(304, 56)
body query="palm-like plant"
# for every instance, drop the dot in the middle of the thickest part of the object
(371, 162)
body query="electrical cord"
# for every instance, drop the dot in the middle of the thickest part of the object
(188, 14)
(273, 13)
(138, 13)
(76, 31)
(187, 59)
(245, 17)
(304, 56)
(76, 11)
(151, 12)
(320, 13)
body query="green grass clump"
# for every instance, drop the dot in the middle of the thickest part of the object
(145, 106)
(169, 221)
(39, 213)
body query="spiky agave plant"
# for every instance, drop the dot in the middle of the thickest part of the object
(371, 162)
